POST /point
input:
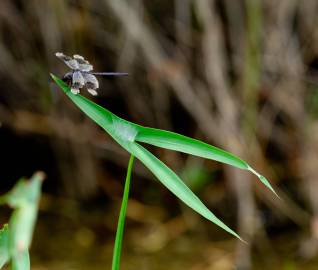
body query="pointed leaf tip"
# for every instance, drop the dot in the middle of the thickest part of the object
(55, 78)
(267, 184)
(263, 180)
(66, 89)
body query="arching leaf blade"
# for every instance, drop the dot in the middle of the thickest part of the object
(172, 182)
(177, 142)
(184, 144)
(126, 133)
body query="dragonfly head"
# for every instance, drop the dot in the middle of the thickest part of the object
(67, 78)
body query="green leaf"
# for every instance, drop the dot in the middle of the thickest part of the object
(21, 228)
(177, 142)
(24, 198)
(121, 129)
(169, 179)
(4, 246)
(127, 134)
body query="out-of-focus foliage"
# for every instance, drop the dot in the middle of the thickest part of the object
(15, 238)
(4, 246)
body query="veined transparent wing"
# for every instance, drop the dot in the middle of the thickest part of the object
(70, 62)
(83, 65)
(91, 83)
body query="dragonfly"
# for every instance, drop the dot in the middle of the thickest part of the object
(82, 74)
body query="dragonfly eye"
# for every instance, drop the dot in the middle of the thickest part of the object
(67, 78)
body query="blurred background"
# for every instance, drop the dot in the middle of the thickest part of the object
(241, 75)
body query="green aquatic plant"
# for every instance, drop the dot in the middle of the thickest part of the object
(130, 136)
(15, 237)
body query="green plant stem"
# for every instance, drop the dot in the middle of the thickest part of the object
(121, 219)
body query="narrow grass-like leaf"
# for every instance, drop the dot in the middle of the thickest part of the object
(169, 179)
(121, 219)
(127, 134)
(174, 141)
(117, 127)
(23, 198)
(177, 142)
(15, 240)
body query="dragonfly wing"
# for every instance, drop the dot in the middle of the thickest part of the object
(83, 64)
(70, 62)
(92, 92)
(79, 57)
(91, 83)
(85, 67)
